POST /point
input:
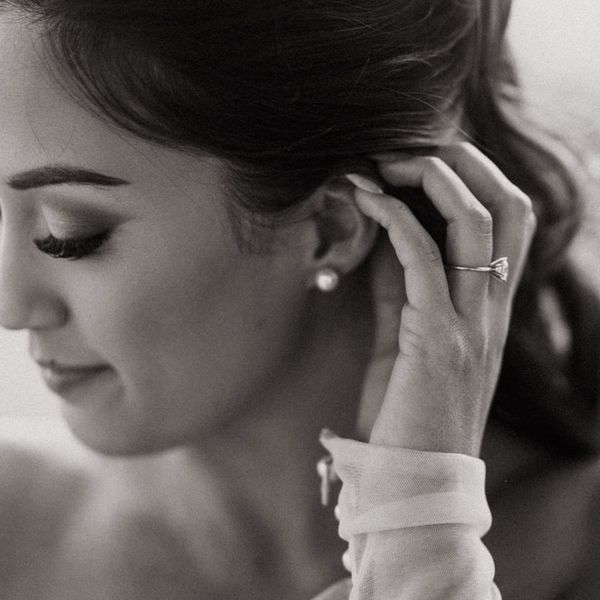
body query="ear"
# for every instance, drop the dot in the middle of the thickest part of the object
(343, 235)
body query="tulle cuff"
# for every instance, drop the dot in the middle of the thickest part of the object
(388, 488)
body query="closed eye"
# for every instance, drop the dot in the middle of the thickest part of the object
(71, 248)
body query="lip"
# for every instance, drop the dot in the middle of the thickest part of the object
(63, 379)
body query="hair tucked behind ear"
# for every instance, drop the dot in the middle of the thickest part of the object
(289, 92)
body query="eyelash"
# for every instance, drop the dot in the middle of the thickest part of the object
(71, 248)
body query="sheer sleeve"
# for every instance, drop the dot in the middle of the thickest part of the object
(414, 521)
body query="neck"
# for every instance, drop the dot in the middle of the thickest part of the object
(264, 464)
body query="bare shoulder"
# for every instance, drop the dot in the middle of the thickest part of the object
(39, 456)
(39, 460)
(42, 480)
(130, 553)
(78, 524)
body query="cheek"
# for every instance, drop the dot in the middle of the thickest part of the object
(194, 338)
(156, 317)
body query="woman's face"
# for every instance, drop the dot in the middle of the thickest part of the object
(183, 326)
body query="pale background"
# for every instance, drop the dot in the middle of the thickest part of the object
(557, 43)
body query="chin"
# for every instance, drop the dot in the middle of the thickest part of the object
(113, 439)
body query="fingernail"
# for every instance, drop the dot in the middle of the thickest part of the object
(363, 183)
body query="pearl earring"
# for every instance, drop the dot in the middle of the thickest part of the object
(327, 279)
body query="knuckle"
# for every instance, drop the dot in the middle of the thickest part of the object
(531, 221)
(519, 200)
(481, 220)
(465, 148)
(522, 209)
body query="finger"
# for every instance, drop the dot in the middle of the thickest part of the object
(426, 286)
(469, 239)
(511, 209)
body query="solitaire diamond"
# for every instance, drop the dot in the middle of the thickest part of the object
(500, 268)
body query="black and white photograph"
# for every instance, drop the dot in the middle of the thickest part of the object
(299, 300)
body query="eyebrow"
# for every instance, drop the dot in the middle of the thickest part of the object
(61, 174)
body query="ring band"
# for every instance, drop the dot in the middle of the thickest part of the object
(498, 268)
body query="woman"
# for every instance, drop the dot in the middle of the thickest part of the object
(174, 206)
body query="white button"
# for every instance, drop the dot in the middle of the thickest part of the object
(336, 511)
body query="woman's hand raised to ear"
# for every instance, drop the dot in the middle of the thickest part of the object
(454, 324)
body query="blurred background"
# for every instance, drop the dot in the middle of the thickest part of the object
(557, 46)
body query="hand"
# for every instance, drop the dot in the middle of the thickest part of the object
(453, 325)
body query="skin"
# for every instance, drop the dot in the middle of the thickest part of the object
(226, 364)
(169, 303)
(453, 328)
(192, 329)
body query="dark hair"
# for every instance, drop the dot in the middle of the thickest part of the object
(288, 92)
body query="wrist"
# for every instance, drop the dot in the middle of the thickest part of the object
(442, 439)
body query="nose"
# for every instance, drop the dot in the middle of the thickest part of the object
(26, 298)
